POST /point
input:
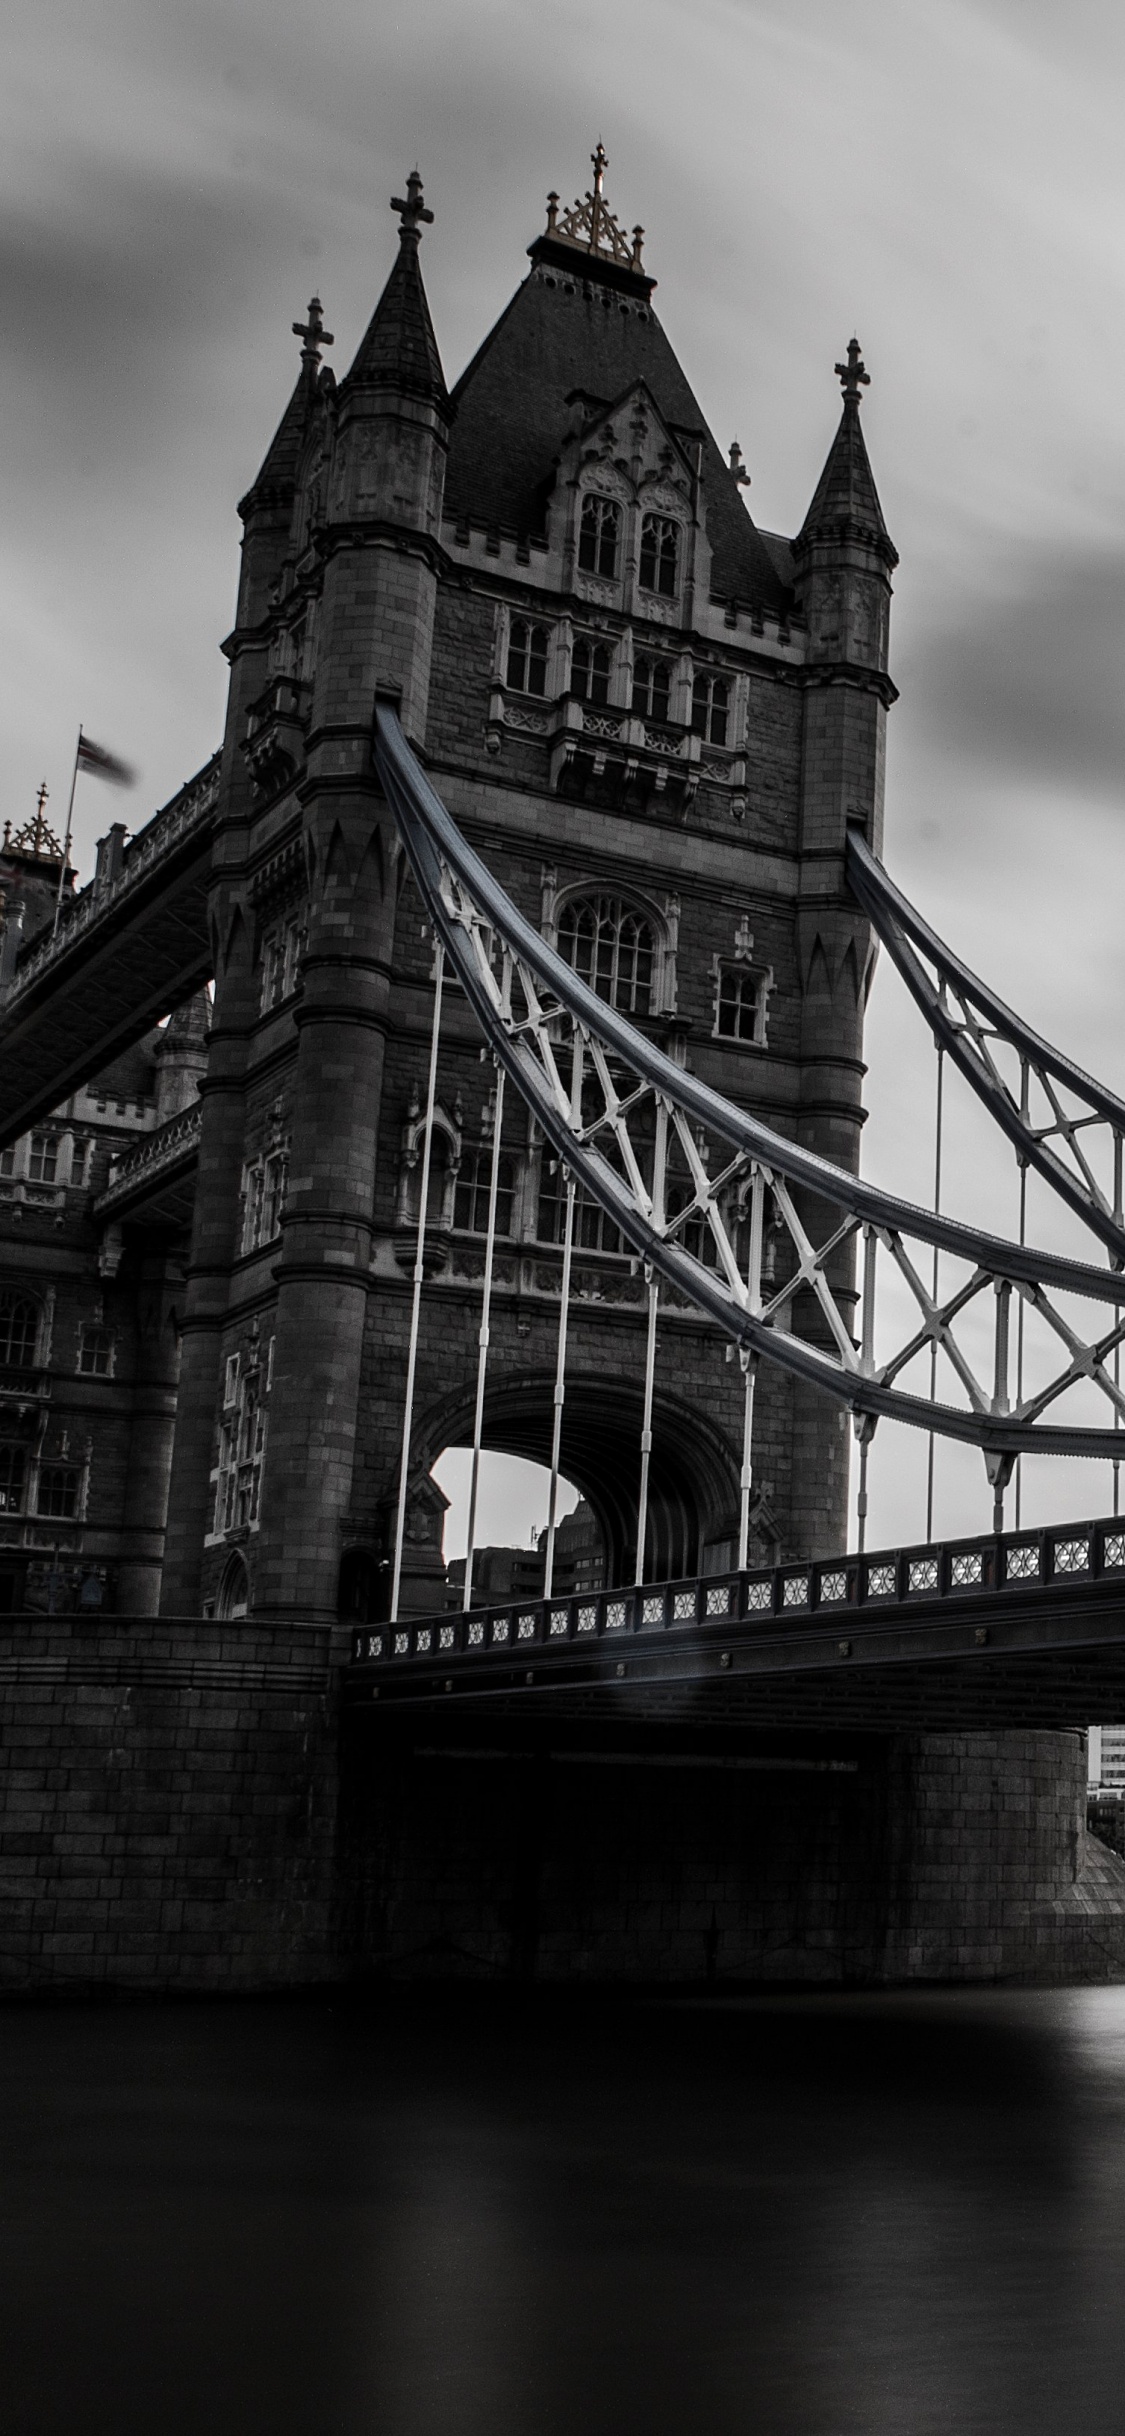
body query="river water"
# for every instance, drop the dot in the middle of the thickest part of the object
(774, 2217)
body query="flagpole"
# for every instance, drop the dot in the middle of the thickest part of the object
(66, 840)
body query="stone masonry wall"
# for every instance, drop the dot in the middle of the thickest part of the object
(854, 1862)
(172, 1820)
(169, 1800)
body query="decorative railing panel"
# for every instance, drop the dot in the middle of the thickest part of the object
(831, 1590)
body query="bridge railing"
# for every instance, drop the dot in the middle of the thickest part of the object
(188, 811)
(1067, 1553)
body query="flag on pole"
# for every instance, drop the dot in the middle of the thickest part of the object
(101, 764)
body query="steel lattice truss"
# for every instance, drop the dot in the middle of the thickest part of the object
(1059, 1120)
(755, 1232)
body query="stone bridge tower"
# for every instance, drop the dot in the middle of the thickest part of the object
(656, 722)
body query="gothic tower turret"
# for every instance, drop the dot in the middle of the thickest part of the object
(843, 559)
(384, 509)
(375, 624)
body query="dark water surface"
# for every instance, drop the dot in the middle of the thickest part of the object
(790, 2217)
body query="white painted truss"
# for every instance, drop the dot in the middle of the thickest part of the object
(783, 1251)
(1059, 1120)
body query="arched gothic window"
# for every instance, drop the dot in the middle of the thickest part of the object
(594, 1230)
(445, 1167)
(19, 1330)
(598, 532)
(13, 1472)
(474, 1184)
(652, 688)
(527, 657)
(234, 1589)
(589, 671)
(612, 947)
(710, 706)
(660, 554)
(694, 1234)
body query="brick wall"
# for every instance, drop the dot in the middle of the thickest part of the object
(841, 1862)
(169, 1799)
(172, 1820)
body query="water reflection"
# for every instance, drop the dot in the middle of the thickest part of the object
(890, 2216)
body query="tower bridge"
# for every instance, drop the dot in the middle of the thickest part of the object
(538, 883)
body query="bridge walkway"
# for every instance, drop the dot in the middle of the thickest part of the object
(1023, 1629)
(129, 948)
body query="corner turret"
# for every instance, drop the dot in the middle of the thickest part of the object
(843, 555)
(385, 499)
(267, 507)
(394, 406)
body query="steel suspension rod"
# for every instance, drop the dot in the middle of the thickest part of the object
(646, 1425)
(416, 1301)
(750, 1364)
(560, 1390)
(934, 1286)
(483, 1340)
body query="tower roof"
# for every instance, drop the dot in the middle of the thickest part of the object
(398, 349)
(582, 321)
(276, 478)
(845, 495)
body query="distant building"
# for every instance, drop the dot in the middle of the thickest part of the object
(1107, 1755)
(518, 1573)
(89, 1349)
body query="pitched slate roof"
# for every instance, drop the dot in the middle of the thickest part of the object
(578, 330)
(277, 474)
(398, 349)
(846, 493)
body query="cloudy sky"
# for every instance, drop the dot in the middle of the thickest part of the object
(945, 177)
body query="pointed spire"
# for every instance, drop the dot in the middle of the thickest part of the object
(277, 474)
(399, 349)
(845, 495)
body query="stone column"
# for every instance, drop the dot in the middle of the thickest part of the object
(214, 1244)
(323, 1272)
(159, 1285)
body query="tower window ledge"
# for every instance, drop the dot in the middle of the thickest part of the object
(42, 1196)
(525, 714)
(723, 769)
(492, 541)
(611, 771)
(274, 743)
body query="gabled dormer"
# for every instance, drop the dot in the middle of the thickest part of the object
(627, 521)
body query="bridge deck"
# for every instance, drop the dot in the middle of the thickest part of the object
(126, 952)
(1023, 1630)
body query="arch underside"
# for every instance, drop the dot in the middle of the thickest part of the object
(693, 1472)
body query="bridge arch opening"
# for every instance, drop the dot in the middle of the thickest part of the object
(693, 1471)
(513, 1507)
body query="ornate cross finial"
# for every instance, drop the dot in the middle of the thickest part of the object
(853, 376)
(36, 836)
(313, 332)
(589, 223)
(599, 161)
(411, 206)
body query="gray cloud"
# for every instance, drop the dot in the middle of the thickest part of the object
(1027, 679)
